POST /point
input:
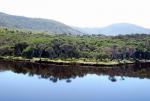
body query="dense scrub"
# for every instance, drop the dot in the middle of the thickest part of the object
(29, 44)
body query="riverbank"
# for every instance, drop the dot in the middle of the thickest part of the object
(79, 62)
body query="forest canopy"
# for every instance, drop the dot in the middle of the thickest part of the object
(30, 44)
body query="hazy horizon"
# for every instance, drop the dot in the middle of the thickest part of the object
(82, 13)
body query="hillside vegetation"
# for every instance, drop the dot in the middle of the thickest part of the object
(35, 24)
(96, 47)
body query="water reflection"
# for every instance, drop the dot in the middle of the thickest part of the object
(55, 73)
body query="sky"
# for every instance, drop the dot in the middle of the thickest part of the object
(82, 13)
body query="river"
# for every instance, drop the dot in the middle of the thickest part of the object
(38, 82)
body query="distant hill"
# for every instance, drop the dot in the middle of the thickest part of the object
(115, 29)
(35, 24)
(52, 26)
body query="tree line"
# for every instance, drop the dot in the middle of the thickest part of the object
(98, 47)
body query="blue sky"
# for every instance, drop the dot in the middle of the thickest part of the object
(82, 13)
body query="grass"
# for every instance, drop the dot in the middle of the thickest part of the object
(73, 60)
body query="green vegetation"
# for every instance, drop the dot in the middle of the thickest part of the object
(88, 48)
(35, 24)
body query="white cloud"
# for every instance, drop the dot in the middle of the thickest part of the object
(84, 13)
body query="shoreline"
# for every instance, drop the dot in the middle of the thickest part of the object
(74, 63)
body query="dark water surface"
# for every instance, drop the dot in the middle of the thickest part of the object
(35, 82)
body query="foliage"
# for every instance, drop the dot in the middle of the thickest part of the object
(30, 44)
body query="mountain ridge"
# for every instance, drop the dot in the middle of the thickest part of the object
(35, 24)
(117, 28)
(52, 26)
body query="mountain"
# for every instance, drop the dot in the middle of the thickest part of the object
(52, 26)
(35, 24)
(115, 29)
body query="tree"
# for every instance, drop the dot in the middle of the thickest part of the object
(19, 47)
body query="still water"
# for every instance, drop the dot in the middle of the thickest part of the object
(35, 82)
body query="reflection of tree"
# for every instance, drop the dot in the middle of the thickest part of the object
(53, 79)
(112, 78)
(122, 78)
(68, 80)
(55, 73)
